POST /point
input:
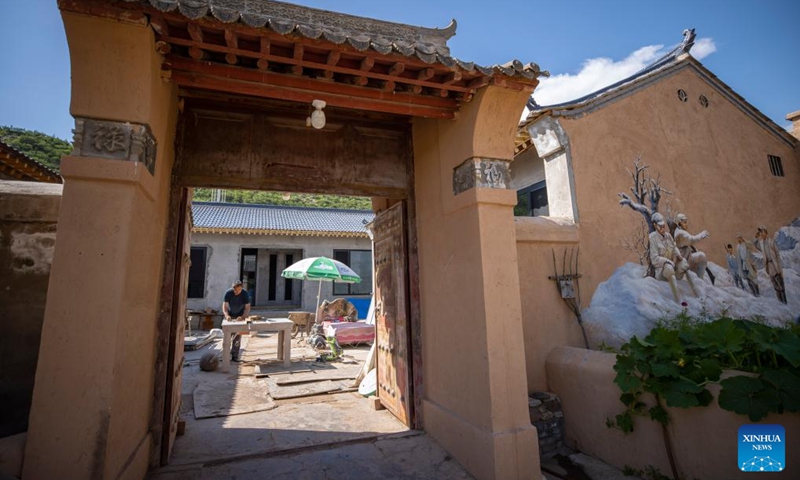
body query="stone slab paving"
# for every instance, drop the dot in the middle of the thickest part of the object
(410, 456)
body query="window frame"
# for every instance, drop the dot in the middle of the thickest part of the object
(189, 290)
(776, 166)
(530, 190)
(337, 286)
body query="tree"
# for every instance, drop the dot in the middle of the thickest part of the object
(647, 192)
(41, 147)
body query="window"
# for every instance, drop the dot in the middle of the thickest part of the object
(361, 262)
(775, 165)
(532, 201)
(197, 272)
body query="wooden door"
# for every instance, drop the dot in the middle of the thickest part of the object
(175, 360)
(391, 313)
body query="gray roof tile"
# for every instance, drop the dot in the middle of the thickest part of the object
(239, 218)
(426, 44)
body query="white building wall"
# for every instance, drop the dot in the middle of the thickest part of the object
(222, 262)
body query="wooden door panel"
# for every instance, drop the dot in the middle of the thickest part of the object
(392, 335)
(180, 292)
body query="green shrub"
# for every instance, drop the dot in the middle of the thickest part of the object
(680, 357)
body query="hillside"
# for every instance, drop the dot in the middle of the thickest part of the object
(41, 147)
(279, 198)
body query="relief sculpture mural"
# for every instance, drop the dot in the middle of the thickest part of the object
(674, 276)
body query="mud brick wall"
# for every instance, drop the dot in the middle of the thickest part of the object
(28, 217)
(547, 417)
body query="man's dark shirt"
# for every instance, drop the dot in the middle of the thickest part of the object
(236, 303)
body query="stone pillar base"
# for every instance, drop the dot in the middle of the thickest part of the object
(510, 454)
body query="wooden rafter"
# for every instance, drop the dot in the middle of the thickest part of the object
(393, 82)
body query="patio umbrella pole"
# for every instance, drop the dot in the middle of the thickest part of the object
(319, 294)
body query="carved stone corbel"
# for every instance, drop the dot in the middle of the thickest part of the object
(132, 142)
(481, 172)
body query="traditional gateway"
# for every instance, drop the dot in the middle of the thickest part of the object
(174, 94)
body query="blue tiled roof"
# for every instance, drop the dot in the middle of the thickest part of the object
(265, 219)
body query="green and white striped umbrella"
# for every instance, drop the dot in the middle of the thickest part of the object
(321, 268)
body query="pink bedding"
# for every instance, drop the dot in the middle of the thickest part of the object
(350, 333)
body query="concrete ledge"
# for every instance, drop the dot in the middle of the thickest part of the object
(12, 452)
(512, 454)
(704, 438)
(480, 195)
(30, 202)
(546, 230)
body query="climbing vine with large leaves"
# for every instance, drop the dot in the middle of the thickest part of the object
(678, 359)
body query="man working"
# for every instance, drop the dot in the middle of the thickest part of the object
(236, 305)
(666, 258)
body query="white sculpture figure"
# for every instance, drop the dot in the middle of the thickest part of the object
(685, 241)
(733, 267)
(772, 261)
(666, 258)
(747, 269)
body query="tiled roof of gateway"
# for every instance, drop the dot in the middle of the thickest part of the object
(427, 44)
(279, 220)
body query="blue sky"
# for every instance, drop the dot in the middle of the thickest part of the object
(751, 45)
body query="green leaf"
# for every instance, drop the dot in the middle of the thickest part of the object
(747, 396)
(707, 369)
(682, 393)
(627, 382)
(666, 370)
(787, 345)
(624, 422)
(722, 335)
(787, 385)
(666, 342)
(658, 414)
(627, 399)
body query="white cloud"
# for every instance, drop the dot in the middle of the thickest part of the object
(703, 48)
(597, 73)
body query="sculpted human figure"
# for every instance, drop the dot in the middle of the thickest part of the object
(747, 269)
(733, 267)
(772, 261)
(670, 265)
(685, 241)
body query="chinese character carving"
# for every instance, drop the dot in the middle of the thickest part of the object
(109, 137)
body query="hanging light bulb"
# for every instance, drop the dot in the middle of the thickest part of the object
(317, 118)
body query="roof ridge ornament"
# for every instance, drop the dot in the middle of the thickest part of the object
(688, 41)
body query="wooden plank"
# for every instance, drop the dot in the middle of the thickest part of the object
(396, 69)
(302, 83)
(263, 62)
(306, 96)
(232, 41)
(425, 74)
(303, 390)
(318, 376)
(421, 78)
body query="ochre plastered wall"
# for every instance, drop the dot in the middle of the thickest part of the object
(547, 320)
(475, 398)
(28, 216)
(703, 438)
(713, 160)
(94, 383)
